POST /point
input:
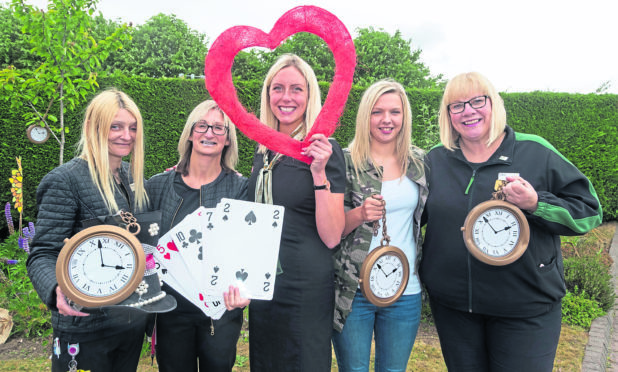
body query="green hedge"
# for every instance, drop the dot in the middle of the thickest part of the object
(582, 127)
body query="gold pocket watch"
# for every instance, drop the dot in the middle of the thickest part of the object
(101, 265)
(385, 271)
(496, 232)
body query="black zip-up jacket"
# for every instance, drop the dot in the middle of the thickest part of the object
(533, 284)
(65, 197)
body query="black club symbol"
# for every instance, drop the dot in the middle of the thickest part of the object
(195, 236)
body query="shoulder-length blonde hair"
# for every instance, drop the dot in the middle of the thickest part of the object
(229, 157)
(93, 146)
(464, 85)
(360, 147)
(314, 103)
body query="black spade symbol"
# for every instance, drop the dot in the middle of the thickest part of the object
(225, 218)
(250, 218)
(267, 275)
(242, 275)
(164, 271)
(275, 224)
(216, 268)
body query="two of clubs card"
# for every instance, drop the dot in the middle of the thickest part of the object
(234, 244)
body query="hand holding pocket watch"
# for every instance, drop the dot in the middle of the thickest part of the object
(496, 232)
(385, 271)
(101, 265)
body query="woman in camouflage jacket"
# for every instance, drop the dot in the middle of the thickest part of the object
(381, 164)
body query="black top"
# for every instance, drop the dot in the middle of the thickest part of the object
(293, 331)
(534, 283)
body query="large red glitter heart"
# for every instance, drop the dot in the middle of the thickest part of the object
(220, 58)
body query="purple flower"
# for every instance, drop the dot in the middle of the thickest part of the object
(9, 218)
(23, 244)
(12, 262)
(29, 232)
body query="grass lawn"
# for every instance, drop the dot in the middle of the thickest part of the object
(426, 355)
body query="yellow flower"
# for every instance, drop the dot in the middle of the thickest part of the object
(16, 188)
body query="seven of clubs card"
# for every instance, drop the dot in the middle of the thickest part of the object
(180, 256)
(243, 248)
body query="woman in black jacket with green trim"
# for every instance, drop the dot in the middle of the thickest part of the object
(498, 318)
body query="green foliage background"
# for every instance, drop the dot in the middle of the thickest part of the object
(582, 127)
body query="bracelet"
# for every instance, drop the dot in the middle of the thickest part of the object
(325, 186)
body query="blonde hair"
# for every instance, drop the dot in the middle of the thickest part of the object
(229, 157)
(314, 103)
(93, 146)
(464, 85)
(360, 147)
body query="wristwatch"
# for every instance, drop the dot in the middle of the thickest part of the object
(325, 186)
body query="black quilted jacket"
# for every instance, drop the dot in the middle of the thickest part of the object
(65, 197)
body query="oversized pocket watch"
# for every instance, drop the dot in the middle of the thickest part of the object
(101, 265)
(385, 271)
(496, 232)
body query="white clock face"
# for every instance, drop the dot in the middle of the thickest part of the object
(386, 276)
(38, 133)
(496, 232)
(101, 266)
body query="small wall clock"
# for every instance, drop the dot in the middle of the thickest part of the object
(37, 134)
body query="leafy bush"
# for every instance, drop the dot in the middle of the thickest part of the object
(592, 277)
(30, 317)
(578, 309)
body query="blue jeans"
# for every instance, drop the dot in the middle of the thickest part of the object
(395, 330)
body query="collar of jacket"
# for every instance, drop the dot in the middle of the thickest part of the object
(502, 155)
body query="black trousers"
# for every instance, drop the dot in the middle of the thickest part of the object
(184, 341)
(481, 343)
(119, 352)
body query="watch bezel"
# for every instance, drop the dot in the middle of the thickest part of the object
(519, 248)
(365, 273)
(64, 258)
(31, 139)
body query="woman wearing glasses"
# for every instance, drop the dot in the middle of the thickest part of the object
(186, 338)
(492, 317)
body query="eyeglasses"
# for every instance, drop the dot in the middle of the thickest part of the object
(475, 103)
(202, 126)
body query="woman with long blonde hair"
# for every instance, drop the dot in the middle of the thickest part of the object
(94, 185)
(292, 331)
(382, 165)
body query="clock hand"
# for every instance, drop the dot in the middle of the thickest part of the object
(395, 269)
(101, 253)
(487, 222)
(380, 267)
(117, 267)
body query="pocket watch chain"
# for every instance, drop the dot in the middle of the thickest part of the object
(131, 222)
(376, 226)
(499, 193)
